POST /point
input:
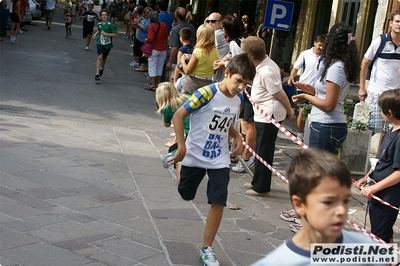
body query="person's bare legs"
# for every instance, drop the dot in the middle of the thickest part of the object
(214, 218)
(250, 139)
(178, 173)
(300, 122)
(153, 82)
(158, 80)
(100, 63)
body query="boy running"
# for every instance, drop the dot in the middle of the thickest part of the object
(104, 34)
(206, 150)
(88, 24)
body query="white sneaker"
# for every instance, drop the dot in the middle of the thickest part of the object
(207, 257)
(289, 216)
(295, 227)
(21, 31)
(240, 168)
(87, 48)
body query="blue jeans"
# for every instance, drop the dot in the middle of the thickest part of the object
(327, 137)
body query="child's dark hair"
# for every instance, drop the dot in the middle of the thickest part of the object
(243, 65)
(284, 66)
(390, 100)
(186, 34)
(309, 167)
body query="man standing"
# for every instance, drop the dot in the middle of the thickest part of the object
(215, 20)
(164, 16)
(174, 42)
(385, 72)
(50, 7)
(308, 61)
(268, 94)
(3, 18)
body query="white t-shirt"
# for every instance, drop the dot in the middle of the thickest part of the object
(266, 83)
(234, 48)
(50, 4)
(288, 254)
(337, 75)
(385, 73)
(308, 62)
(212, 113)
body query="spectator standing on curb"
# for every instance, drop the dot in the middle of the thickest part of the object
(385, 73)
(266, 92)
(88, 23)
(16, 19)
(174, 41)
(385, 179)
(141, 25)
(307, 61)
(215, 20)
(50, 7)
(206, 149)
(157, 34)
(3, 18)
(104, 34)
(341, 67)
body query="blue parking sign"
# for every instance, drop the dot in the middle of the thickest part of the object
(278, 15)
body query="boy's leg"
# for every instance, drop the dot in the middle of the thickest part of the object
(217, 195)
(212, 224)
(99, 63)
(382, 219)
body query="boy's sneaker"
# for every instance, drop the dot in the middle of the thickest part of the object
(295, 227)
(101, 72)
(97, 77)
(14, 41)
(207, 257)
(240, 168)
(87, 48)
(134, 64)
(289, 216)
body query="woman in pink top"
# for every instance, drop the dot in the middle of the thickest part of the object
(157, 34)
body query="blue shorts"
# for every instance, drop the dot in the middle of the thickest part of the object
(217, 186)
(103, 51)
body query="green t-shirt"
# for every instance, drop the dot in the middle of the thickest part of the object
(106, 41)
(167, 117)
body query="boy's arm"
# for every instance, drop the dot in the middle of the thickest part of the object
(389, 181)
(179, 115)
(177, 70)
(237, 146)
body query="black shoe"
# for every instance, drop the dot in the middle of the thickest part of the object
(101, 72)
(97, 77)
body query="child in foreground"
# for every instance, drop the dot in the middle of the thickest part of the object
(206, 149)
(385, 179)
(169, 100)
(319, 187)
(104, 34)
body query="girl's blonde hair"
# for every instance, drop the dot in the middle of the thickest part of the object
(205, 38)
(168, 95)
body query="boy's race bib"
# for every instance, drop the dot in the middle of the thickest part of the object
(220, 121)
(90, 18)
(104, 40)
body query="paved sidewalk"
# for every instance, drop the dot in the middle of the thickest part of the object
(86, 194)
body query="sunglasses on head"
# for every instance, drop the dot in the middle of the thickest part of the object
(212, 21)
